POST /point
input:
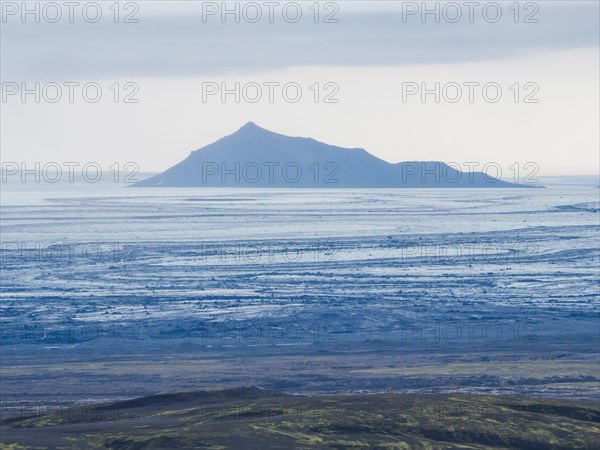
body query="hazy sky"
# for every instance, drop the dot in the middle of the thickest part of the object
(369, 58)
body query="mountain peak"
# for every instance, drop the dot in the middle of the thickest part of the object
(252, 131)
(251, 126)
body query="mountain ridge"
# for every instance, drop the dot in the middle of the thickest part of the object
(255, 157)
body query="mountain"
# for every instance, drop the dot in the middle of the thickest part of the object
(255, 157)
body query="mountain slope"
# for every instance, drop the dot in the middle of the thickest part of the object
(255, 157)
(251, 418)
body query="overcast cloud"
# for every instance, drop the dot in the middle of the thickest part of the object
(180, 44)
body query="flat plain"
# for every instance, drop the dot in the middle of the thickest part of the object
(113, 294)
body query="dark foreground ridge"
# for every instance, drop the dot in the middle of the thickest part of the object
(252, 418)
(255, 157)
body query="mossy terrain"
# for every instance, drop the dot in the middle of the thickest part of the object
(252, 418)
